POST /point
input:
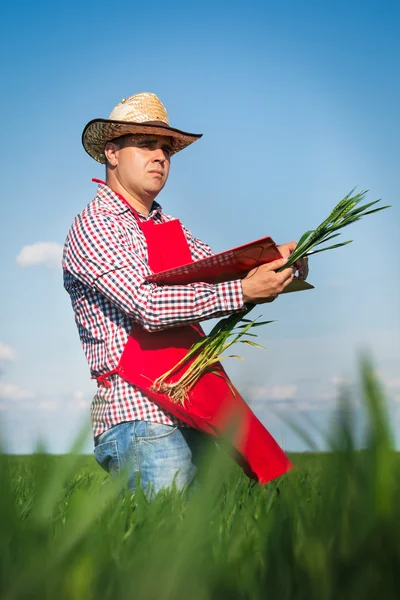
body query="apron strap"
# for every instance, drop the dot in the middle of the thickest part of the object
(104, 377)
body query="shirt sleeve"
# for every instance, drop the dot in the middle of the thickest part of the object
(198, 249)
(98, 254)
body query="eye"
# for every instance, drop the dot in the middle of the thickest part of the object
(167, 150)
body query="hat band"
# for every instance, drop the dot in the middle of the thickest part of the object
(159, 123)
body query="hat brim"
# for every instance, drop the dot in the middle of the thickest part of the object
(98, 132)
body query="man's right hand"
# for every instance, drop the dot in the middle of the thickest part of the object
(263, 284)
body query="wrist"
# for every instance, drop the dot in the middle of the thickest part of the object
(246, 297)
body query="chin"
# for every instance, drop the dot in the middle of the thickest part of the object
(155, 189)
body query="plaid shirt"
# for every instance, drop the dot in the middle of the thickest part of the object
(104, 266)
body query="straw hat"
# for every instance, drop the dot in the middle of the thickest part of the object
(141, 113)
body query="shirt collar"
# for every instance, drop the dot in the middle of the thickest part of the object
(118, 204)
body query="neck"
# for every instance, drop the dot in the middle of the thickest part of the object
(141, 205)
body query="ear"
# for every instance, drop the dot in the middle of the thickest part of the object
(111, 153)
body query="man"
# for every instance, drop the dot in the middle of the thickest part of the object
(121, 237)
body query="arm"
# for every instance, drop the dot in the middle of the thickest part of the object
(98, 254)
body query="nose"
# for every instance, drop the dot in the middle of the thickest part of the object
(159, 156)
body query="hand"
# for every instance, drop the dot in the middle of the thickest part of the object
(263, 284)
(287, 249)
(300, 265)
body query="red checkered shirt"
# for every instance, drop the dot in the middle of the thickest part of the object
(104, 266)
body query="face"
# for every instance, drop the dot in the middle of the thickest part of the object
(140, 163)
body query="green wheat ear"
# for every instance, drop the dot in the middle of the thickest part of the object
(341, 209)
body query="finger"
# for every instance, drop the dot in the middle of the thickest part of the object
(286, 274)
(302, 266)
(305, 268)
(287, 249)
(300, 263)
(276, 264)
(303, 274)
(287, 281)
(267, 267)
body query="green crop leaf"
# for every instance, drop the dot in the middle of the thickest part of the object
(250, 343)
(305, 236)
(328, 238)
(329, 248)
(257, 324)
(371, 212)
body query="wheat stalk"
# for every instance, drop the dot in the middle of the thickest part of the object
(203, 355)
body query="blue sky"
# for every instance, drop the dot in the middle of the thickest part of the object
(298, 103)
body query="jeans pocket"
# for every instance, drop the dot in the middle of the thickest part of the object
(155, 431)
(107, 456)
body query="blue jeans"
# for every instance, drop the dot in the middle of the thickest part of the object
(163, 454)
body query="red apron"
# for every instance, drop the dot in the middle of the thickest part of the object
(212, 406)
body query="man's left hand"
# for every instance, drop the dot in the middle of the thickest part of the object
(301, 265)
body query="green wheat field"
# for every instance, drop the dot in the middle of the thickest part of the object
(328, 530)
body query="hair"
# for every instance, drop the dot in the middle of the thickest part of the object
(120, 142)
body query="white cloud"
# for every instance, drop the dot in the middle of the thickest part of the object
(274, 392)
(7, 353)
(12, 391)
(48, 254)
